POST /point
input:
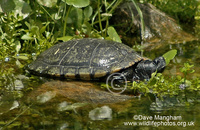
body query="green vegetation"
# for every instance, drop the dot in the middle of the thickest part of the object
(173, 86)
(169, 56)
(33, 26)
(29, 27)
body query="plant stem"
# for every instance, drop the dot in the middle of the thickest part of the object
(99, 18)
(106, 19)
(47, 13)
(185, 77)
(66, 17)
(141, 18)
(109, 12)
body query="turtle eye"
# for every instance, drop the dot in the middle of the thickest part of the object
(156, 60)
(160, 63)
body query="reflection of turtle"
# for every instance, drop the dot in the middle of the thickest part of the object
(89, 59)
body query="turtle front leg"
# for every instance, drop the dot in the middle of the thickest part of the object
(145, 68)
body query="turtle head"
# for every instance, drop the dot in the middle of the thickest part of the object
(160, 64)
(145, 68)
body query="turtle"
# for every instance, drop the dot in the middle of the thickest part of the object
(95, 59)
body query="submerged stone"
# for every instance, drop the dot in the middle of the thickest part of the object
(68, 106)
(45, 97)
(101, 113)
(74, 91)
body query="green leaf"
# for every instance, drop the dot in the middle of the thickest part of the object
(28, 25)
(18, 46)
(66, 38)
(35, 30)
(88, 12)
(27, 37)
(18, 63)
(76, 16)
(86, 28)
(152, 82)
(22, 8)
(77, 3)
(43, 29)
(7, 5)
(47, 3)
(113, 34)
(169, 56)
(79, 18)
(22, 56)
(26, 8)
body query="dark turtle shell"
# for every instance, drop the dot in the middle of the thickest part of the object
(85, 59)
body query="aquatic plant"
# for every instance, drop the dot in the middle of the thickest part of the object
(169, 86)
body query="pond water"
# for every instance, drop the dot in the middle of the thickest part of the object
(26, 103)
(186, 52)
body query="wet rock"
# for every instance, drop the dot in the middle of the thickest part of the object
(101, 113)
(15, 105)
(74, 91)
(45, 97)
(18, 84)
(63, 126)
(159, 26)
(68, 106)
